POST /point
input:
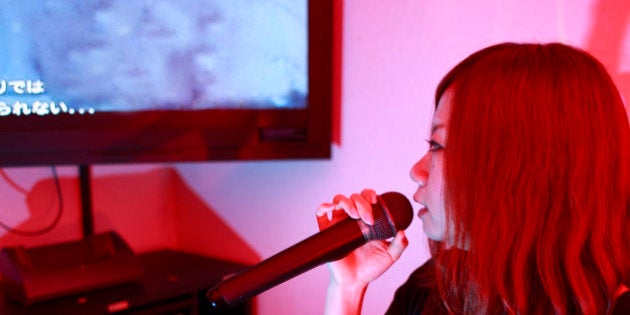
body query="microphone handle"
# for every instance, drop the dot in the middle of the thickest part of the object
(329, 244)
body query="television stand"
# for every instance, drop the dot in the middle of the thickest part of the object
(85, 189)
(173, 283)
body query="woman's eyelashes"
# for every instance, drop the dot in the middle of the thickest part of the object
(434, 145)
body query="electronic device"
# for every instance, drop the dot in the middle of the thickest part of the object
(41, 273)
(88, 82)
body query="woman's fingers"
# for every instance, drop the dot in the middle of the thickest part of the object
(347, 205)
(398, 245)
(328, 214)
(324, 215)
(324, 208)
(357, 206)
(364, 208)
(370, 195)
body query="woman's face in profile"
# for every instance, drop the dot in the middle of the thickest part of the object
(427, 173)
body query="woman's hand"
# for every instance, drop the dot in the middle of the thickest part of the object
(351, 274)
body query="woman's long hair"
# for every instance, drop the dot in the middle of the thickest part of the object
(537, 183)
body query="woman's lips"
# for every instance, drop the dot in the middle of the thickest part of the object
(422, 212)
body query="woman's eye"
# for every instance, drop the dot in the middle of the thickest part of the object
(434, 146)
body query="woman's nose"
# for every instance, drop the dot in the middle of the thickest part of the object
(419, 172)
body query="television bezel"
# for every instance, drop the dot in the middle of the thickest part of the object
(189, 136)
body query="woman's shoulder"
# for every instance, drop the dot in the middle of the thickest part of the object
(412, 296)
(423, 277)
(622, 304)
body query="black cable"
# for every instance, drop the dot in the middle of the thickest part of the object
(11, 182)
(52, 224)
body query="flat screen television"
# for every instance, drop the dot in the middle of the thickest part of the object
(89, 81)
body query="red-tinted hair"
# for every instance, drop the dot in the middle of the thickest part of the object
(537, 183)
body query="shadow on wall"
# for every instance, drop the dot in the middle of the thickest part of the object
(611, 23)
(150, 210)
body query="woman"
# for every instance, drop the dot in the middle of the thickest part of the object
(524, 193)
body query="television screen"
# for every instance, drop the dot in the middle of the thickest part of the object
(92, 81)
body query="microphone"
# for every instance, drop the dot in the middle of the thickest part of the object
(392, 213)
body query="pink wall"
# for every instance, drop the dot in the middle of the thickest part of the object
(394, 53)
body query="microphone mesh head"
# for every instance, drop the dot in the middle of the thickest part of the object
(399, 208)
(393, 213)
